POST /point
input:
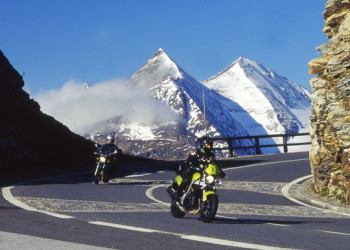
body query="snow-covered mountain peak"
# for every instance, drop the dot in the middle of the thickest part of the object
(160, 67)
(243, 66)
(244, 99)
(270, 99)
(160, 57)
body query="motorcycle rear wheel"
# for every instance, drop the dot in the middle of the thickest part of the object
(175, 210)
(209, 208)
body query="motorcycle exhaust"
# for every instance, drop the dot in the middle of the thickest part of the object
(171, 192)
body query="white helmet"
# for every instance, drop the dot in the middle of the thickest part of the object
(110, 137)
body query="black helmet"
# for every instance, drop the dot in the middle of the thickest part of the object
(204, 141)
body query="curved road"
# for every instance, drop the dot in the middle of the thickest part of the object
(132, 212)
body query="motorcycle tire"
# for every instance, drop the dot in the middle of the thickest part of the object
(97, 179)
(105, 179)
(175, 210)
(209, 208)
(97, 174)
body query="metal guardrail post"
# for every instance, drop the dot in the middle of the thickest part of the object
(285, 144)
(257, 146)
(229, 142)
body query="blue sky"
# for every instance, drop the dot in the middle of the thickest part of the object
(54, 41)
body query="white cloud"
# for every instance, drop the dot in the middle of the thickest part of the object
(79, 107)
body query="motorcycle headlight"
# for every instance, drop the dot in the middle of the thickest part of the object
(210, 179)
(102, 159)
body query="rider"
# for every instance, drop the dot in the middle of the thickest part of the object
(203, 154)
(110, 147)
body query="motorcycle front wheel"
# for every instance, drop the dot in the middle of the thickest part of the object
(97, 180)
(175, 210)
(105, 173)
(105, 177)
(97, 174)
(209, 208)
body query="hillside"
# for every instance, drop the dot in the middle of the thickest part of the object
(29, 139)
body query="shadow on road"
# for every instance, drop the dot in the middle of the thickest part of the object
(260, 221)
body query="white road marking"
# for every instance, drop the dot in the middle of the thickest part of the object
(149, 194)
(143, 174)
(266, 163)
(6, 192)
(231, 243)
(331, 232)
(126, 227)
(10, 241)
(285, 191)
(203, 239)
(137, 175)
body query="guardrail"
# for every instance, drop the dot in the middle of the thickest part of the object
(257, 145)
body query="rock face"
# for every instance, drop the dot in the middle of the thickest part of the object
(29, 139)
(330, 118)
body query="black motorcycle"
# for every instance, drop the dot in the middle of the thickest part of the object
(200, 196)
(104, 166)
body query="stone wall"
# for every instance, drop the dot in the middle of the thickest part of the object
(330, 118)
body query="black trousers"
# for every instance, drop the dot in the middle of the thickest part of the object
(186, 178)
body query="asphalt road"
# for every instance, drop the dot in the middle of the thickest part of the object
(132, 212)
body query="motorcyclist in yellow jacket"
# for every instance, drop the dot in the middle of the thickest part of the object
(202, 154)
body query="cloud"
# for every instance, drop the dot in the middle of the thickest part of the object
(79, 107)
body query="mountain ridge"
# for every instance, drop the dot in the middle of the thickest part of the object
(226, 115)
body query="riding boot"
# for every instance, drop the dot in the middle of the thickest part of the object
(178, 194)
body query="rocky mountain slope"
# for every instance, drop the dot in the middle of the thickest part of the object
(29, 139)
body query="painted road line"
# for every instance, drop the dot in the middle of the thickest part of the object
(6, 193)
(331, 232)
(202, 239)
(126, 227)
(231, 243)
(149, 194)
(140, 174)
(10, 241)
(137, 174)
(267, 163)
(285, 192)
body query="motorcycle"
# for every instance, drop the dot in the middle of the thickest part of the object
(200, 195)
(104, 165)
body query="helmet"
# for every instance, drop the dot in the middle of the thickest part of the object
(110, 137)
(204, 141)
